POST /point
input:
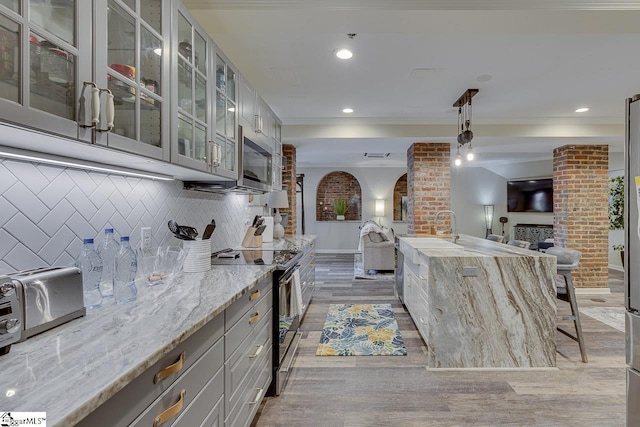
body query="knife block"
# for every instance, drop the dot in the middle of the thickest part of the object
(250, 240)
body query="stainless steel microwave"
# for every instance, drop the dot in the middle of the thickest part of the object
(255, 164)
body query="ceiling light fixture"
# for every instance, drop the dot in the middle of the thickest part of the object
(582, 110)
(344, 54)
(464, 124)
(347, 110)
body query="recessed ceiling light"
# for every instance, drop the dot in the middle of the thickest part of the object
(582, 110)
(347, 110)
(344, 54)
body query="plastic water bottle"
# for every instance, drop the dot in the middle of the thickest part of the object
(108, 250)
(90, 265)
(124, 282)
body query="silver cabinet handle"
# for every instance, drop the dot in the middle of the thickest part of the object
(212, 153)
(258, 351)
(258, 397)
(423, 321)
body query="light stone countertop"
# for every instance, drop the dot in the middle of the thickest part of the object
(481, 304)
(70, 370)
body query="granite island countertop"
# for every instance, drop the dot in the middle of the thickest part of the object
(481, 304)
(70, 370)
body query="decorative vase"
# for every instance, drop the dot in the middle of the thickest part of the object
(340, 217)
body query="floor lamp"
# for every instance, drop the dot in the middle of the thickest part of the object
(275, 200)
(488, 219)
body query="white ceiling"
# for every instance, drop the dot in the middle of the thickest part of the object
(534, 63)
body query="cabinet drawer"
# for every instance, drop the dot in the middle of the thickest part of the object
(215, 418)
(239, 308)
(252, 395)
(247, 323)
(134, 398)
(191, 383)
(200, 408)
(244, 360)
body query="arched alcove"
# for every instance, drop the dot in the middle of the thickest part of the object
(400, 199)
(334, 186)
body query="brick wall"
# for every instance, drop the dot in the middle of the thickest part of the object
(580, 206)
(338, 185)
(399, 190)
(428, 185)
(289, 181)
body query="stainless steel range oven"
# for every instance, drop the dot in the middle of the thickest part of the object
(286, 324)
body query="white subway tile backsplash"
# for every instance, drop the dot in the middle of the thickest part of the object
(28, 174)
(82, 180)
(7, 210)
(26, 202)
(81, 203)
(58, 207)
(21, 258)
(7, 242)
(56, 217)
(51, 251)
(26, 232)
(7, 179)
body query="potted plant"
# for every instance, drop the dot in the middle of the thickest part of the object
(616, 209)
(340, 207)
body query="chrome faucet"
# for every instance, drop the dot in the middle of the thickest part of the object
(454, 227)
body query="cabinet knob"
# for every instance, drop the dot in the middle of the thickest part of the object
(7, 289)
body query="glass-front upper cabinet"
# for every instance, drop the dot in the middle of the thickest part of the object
(278, 161)
(45, 56)
(225, 145)
(132, 62)
(191, 57)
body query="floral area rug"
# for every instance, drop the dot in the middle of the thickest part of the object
(361, 330)
(359, 273)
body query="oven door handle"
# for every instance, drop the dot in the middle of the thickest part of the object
(287, 277)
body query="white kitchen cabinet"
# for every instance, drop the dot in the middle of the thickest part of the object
(205, 133)
(45, 56)
(247, 104)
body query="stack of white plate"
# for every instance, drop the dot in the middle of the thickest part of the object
(199, 256)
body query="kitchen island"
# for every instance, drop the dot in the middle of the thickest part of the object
(481, 304)
(73, 371)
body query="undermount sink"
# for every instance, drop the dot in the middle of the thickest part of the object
(430, 243)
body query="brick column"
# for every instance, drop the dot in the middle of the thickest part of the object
(428, 185)
(580, 207)
(289, 184)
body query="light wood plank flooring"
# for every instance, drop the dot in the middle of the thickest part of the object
(400, 391)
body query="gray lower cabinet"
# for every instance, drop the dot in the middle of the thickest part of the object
(308, 273)
(216, 377)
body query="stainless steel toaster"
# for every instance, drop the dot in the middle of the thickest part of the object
(48, 297)
(11, 322)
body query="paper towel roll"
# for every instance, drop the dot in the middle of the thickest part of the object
(267, 236)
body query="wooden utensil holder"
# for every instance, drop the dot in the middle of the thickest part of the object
(250, 240)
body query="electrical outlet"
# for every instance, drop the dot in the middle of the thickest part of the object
(145, 238)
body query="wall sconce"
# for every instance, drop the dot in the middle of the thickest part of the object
(488, 218)
(379, 211)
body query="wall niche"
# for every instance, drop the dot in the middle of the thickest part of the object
(335, 186)
(400, 199)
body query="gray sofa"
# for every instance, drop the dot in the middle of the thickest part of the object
(378, 253)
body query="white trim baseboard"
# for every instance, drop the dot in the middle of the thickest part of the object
(615, 267)
(337, 251)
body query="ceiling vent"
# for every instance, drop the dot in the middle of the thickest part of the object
(376, 155)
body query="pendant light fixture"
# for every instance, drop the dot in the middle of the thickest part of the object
(464, 124)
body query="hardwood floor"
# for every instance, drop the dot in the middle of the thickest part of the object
(401, 391)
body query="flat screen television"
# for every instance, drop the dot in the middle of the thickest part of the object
(533, 195)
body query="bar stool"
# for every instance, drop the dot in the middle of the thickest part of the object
(519, 243)
(495, 238)
(568, 260)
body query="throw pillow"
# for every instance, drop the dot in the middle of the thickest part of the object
(375, 237)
